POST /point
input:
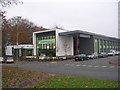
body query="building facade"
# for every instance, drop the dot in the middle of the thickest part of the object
(19, 50)
(60, 42)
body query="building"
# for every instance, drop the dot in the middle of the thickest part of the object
(19, 50)
(61, 42)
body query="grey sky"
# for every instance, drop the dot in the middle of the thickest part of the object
(99, 16)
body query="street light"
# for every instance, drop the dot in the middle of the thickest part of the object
(1, 21)
(17, 37)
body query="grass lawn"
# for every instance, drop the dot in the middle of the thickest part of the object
(59, 81)
(12, 76)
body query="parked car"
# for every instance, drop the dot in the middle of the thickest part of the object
(111, 53)
(117, 53)
(92, 56)
(2, 60)
(81, 57)
(102, 55)
(9, 60)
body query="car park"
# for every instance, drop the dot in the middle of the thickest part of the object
(92, 56)
(102, 55)
(81, 57)
(2, 60)
(9, 60)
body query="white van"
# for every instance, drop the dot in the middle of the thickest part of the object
(111, 53)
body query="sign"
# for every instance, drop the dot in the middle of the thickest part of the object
(47, 41)
(84, 36)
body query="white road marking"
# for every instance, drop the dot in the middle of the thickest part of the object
(77, 65)
(67, 64)
(72, 65)
(89, 65)
(96, 66)
(103, 66)
(83, 65)
(53, 62)
(78, 62)
(112, 66)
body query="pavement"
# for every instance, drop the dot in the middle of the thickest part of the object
(99, 68)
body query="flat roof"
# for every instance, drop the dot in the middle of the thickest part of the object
(73, 33)
(48, 30)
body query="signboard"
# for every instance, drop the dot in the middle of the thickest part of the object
(84, 36)
(47, 41)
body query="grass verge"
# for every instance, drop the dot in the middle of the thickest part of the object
(59, 81)
(12, 76)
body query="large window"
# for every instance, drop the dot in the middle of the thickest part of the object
(101, 43)
(46, 44)
(99, 47)
(95, 46)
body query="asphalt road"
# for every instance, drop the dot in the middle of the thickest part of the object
(96, 68)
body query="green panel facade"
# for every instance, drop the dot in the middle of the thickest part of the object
(101, 45)
(96, 49)
(46, 45)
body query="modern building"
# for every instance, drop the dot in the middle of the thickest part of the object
(19, 50)
(61, 42)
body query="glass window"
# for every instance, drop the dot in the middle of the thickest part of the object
(96, 45)
(50, 37)
(53, 46)
(50, 46)
(47, 45)
(53, 37)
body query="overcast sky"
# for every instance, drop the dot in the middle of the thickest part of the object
(98, 16)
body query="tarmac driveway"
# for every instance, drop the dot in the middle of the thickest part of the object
(96, 68)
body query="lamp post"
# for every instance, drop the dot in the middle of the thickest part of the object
(17, 39)
(1, 21)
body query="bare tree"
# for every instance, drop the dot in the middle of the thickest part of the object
(66, 47)
(23, 27)
(20, 30)
(57, 27)
(5, 3)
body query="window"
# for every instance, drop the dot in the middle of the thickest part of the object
(99, 47)
(95, 45)
(46, 44)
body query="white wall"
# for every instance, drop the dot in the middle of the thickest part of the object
(8, 50)
(63, 43)
(34, 44)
